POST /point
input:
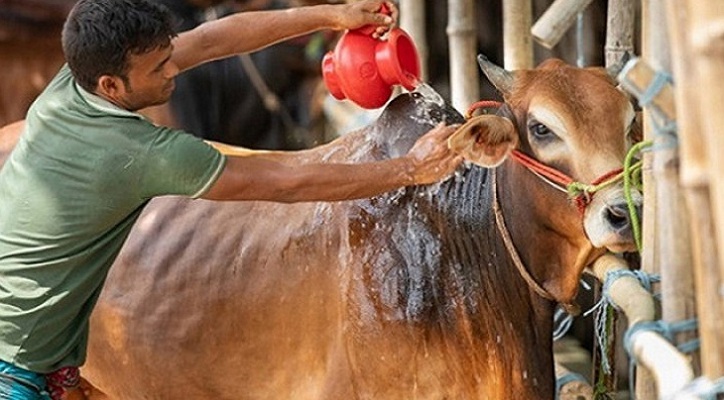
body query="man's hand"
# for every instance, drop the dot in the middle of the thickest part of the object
(430, 157)
(382, 14)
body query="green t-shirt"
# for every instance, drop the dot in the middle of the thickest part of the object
(69, 194)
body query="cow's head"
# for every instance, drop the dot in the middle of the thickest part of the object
(571, 119)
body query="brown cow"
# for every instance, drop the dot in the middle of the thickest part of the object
(413, 294)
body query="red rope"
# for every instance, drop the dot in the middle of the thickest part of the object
(537, 166)
(481, 104)
(607, 176)
(529, 162)
(582, 200)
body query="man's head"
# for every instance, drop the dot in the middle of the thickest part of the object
(108, 44)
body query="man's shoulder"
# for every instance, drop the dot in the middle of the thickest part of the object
(62, 79)
(58, 92)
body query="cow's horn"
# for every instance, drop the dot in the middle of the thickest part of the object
(499, 77)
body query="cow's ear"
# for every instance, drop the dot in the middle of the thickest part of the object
(485, 140)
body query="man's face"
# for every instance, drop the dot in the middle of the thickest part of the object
(150, 79)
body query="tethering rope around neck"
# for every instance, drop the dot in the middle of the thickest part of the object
(510, 246)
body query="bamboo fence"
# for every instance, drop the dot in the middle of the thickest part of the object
(412, 20)
(698, 48)
(517, 39)
(684, 188)
(556, 20)
(464, 73)
(683, 184)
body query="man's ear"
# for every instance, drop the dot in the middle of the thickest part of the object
(110, 86)
(485, 140)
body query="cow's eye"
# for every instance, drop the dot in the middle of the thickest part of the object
(540, 131)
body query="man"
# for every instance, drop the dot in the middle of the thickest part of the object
(87, 164)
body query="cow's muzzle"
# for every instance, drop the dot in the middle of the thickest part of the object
(609, 220)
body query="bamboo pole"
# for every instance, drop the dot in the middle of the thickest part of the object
(517, 41)
(701, 25)
(619, 31)
(619, 41)
(708, 283)
(556, 20)
(676, 258)
(670, 369)
(412, 20)
(692, 143)
(645, 387)
(636, 77)
(671, 243)
(464, 75)
(574, 389)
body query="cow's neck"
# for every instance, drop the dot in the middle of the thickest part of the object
(490, 301)
(431, 279)
(488, 297)
(546, 229)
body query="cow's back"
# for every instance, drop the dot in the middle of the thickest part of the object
(213, 297)
(236, 299)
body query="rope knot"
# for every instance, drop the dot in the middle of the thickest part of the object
(581, 194)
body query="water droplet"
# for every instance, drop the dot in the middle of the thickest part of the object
(430, 93)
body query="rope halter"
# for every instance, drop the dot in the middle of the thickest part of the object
(580, 193)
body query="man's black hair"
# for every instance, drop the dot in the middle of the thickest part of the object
(100, 35)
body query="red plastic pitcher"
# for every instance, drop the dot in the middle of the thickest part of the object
(364, 69)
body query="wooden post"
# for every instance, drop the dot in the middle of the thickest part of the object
(464, 73)
(619, 40)
(677, 285)
(412, 20)
(653, 353)
(517, 41)
(671, 241)
(619, 30)
(556, 21)
(574, 389)
(699, 63)
(636, 77)
(645, 388)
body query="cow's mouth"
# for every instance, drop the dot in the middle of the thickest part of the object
(621, 247)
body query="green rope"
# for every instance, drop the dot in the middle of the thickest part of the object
(632, 178)
(576, 189)
(605, 374)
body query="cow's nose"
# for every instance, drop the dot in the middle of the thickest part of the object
(618, 216)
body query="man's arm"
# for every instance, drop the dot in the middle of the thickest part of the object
(250, 31)
(9, 136)
(257, 177)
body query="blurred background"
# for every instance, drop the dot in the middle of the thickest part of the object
(271, 99)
